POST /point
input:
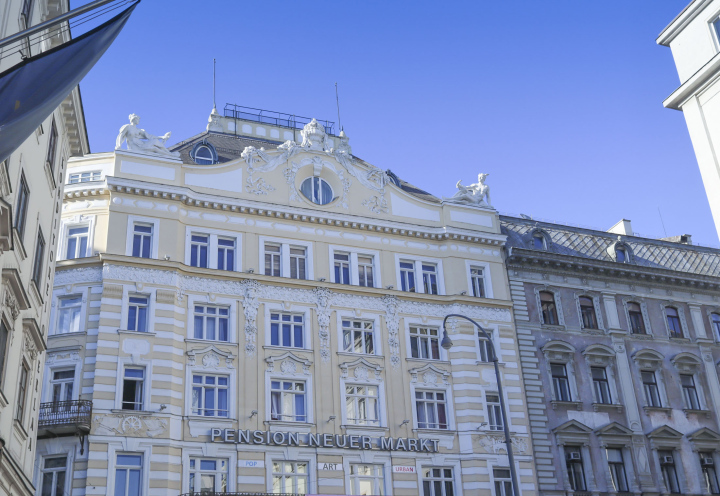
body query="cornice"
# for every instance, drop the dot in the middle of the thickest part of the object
(248, 207)
(681, 21)
(563, 264)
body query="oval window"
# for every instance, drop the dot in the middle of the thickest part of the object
(203, 156)
(317, 190)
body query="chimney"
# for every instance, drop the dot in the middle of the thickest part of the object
(685, 239)
(622, 227)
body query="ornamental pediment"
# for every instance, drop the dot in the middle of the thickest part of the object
(430, 375)
(613, 429)
(572, 427)
(648, 359)
(704, 434)
(665, 432)
(210, 357)
(687, 362)
(288, 364)
(361, 370)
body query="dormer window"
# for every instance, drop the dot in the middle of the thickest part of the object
(317, 190)
(620, 252)
(538, 242)
(621, 255)
(204, 154)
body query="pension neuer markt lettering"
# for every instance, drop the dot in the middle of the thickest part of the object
(268, 438)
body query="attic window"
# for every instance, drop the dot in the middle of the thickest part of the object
(204, 154)
(539, 241)
(317, 190)
(621, 255)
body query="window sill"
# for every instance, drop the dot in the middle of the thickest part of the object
(364, 429)
(138, 413)
(427, 360)
(593, 332)
(433, 432)
(599, 407)
(144, 333)
(67, 334)
(678, 339)
(690, 411)
(554, 327)
(3, 400)
(285, 348)
(566, 404)
(352, 354)
(283, 425)
(662, 409)
(20, 429)
(210, 419)
(640, 336)
(201, 341)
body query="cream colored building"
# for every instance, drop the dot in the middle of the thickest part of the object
(31, 184)
(693, 37)
(262, 315)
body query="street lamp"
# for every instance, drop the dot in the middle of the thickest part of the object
(447, 343)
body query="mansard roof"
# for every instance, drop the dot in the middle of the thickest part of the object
(591, 244)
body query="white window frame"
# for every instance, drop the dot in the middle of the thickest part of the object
(271, 307)
(491, 469)
(382, 408)
(143, 448)
(353, 253)
(285, 244)
(278, 375)
(612, 383)
(487, 277)
(285, 455)
(696, 376)
(128, 362)
(660, 380)
(204, 371)
(215, 451)
(228, 303)
(494, 333)
(449, 406)
(374, 318)
(383, 461)
(446, 463)
(213, 235)
(57, 365)
(409, 322)
(64, 446)
(487, 409)
(55, 311)
(135, 219)
(71, 222)
(151, 295)
(418, 261)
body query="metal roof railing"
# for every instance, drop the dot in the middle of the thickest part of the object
(275, 118)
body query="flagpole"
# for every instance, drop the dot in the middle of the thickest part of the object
(55, 20)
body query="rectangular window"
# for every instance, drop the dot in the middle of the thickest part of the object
(142, 240)
(438, 482)
(407, 276)
(52, 148)
(77, 242)
(575, 468)
(69, 311)
(431, 411)
(650, 386)
(710, 478)
(287, 401)
(138, 313)
(298, 262)
(199, 245)
(26, 12)
(342, 268)
(669, 473)
(210, 395)
(54, 472)
(365, 271)
(226, 253)
(286, 329)
(673, 322)
(690, 394)
(211, 323)
(128, 472)
(601, 385)
(358, 336)
(366, 479)
(22, 393)
(62, 384)
(272, 260)
(424, 343)
(39, 258)
(84, 177)
(290, 478)
(361, 405)
(561, 384)
(477, 279)
(637, 324)
(4, 335)
(208, 475)
(22, 204)
(495, 420)
(429, 274)
(503, 482)
(587, 312)
(548, 308)
(132, 391)
(616, 463)
(487, 353)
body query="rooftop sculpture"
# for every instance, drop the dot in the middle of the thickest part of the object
(474, 194)
(138, 140)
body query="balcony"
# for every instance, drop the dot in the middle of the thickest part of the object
(64, 418)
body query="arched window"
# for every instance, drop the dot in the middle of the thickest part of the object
(587, 312)
(317, 190)
(204, 154)
(637, 325)
(539, 241)
(621, 255)
(673, 322)
(548, 308)
(715, 320)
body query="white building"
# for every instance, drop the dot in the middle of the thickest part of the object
(693, 38)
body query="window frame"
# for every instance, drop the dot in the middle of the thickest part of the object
(155, 236)
(354, 253)
(217, 387)
(487, 277)
(60, 364)
(52, 148)
(305, 393)
(310, 467)
(320, 181)
(558, 306)
(643, 316)
(218, 305)
(348, 379)
(457, 487)
(147, 365)
(292, 322)
(646, 394)
(449, 409)
(58, 312)
(21, 206)
(696, 388)
(69, 461)
(4, 348)
(80, 174)
(442, 353)
(494, 409)
(213, 236)
(271, 307)
(21, 395)
(117, 449)
(597, 319)
(273, 373)
(285, 244)
(220, 453)
(149, 313)
(417, 262)
(353, 423)
(70, 223)
(681, 322)
(715, 329)
(38, 266)
(364, 317)
(673, 452)
(581, 462)
(379, 481)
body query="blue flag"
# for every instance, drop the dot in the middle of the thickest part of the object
(31, 90)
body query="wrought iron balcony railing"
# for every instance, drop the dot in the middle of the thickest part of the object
(76, 413)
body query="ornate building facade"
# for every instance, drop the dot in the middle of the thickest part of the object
(619, 341)
(31, 185)
(258, 309)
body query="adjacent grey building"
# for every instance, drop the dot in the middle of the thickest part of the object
(619, 348)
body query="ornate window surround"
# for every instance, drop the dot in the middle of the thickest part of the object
(653, 361)
(596, 306)
(688, 363)
(362, 371)
(431, 377)
(290, 367)
(487, 276)
(67, 292)
(629, 255)
(535, 232)
(643, 311)
(360, 315)
(705, 439)
(615, 435)
(217, 362)
(65, 358)
(681, 314)
(77, 221)
(708, 314)
(51, 448)
(599, 355)
(667, 438)
(574, 433)
(558, 304)
(564, 353)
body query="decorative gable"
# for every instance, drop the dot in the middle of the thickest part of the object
(573, 432)
(361, 370)
(704, 440)
(599, 355)
(614, 434)
(648, 359)
(558, 351)
(430, 375)
(210, 358)
(665, 436)
(687, 362)
(288, 364)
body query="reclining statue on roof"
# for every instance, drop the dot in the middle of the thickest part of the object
(474, 193)
(138, 140)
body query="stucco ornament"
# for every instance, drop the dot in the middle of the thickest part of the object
(323, 297)
(314, 136)
(138, 140)
(250, 289)
(474, 194)
(392, 322)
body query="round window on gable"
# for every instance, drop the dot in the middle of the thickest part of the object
(317, 190)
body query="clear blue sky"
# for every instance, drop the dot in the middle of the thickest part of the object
(560, 101)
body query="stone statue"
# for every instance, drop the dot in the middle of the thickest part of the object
(314, 136)
(140, 141)
(474, 193)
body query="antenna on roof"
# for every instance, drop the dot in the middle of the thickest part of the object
(214, 106)
(662, 222)
(337, 100)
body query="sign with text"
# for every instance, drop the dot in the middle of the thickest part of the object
(403, 469)
(330, 466)
(251, 463)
